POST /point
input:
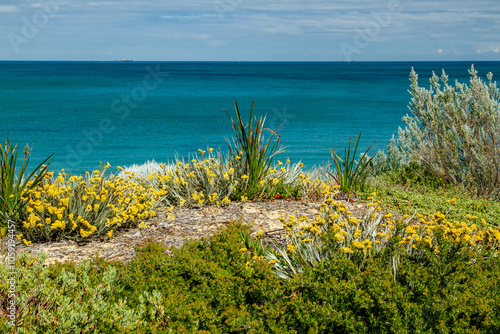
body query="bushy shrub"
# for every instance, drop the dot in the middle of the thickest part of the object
(78, 207)
(212, 178)
(215, 286)
(78, 298)
(451, 292)
(336, 231)
(454, 132)
(209, 285)
(414, 175)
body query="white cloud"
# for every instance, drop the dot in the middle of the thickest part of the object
(8, 9)
(437, 29)
(186, 17)
(493, 49)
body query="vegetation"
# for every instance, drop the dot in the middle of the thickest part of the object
(454, 133)
(350, 174)
(15, 182)
(423, 257)
(212, 286)
(79, 207)
(214, 179)
(256, 152)
(410, 190)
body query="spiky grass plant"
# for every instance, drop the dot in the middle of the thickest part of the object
(349, 173)
(14, 182)
(255, 152)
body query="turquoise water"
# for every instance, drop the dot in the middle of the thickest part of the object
(128, 113)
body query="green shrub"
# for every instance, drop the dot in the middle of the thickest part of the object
(209, 286)
(213, 286)
(407, 190)
(454, 133)
(414, 175)
(75, 298)
(444, 293)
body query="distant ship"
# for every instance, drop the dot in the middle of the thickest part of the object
(124, 60)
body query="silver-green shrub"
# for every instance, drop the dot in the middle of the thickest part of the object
(67, 302)
(454, 132)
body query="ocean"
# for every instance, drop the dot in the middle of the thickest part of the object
(128, 113)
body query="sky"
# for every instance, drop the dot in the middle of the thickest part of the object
(250, 30)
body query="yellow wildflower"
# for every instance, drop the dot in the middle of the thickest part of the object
(347, 250)
(452, 201)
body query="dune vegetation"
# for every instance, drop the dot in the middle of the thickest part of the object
(422, 258)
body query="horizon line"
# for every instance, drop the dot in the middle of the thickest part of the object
(246, 61)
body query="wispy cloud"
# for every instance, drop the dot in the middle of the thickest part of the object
(256, 29)
(187, 17)
(8, 9)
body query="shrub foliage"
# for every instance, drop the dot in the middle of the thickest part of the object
(454, 132)
(212, 286)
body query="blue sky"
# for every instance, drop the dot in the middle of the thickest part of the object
(269, 30)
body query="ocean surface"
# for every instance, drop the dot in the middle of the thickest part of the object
(128, 113)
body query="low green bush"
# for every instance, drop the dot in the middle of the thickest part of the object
(66, 298)
(414, 176)
(409, 190)
(215, 286)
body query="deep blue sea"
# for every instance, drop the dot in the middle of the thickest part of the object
(130, 112)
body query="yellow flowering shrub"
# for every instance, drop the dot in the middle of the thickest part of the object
(210, 177)
(76, 207)
(360, 238)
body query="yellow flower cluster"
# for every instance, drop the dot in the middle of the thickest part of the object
(203, 181)
(79, 206)
(373, 231)
(198, 197)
